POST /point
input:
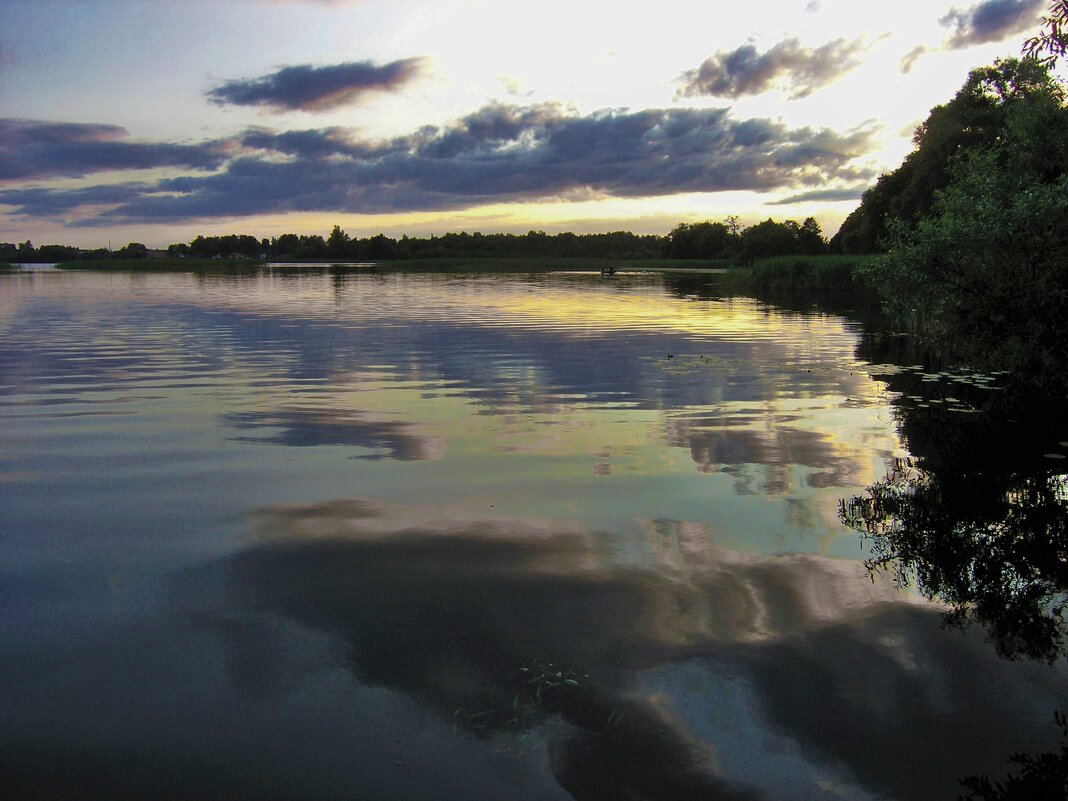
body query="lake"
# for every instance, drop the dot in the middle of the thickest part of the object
(322, 533)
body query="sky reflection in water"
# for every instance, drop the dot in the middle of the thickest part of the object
(296, 535)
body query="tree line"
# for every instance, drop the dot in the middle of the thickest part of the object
(973, 226)
(726, 240)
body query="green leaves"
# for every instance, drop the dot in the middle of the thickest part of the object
(1050, 43)
(985, 273)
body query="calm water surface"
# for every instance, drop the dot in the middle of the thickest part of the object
(319, 535)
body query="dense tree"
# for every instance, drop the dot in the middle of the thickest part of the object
(378, 247)
(986, 272)
(311, 247)
(284, 244)
(338, 243)
(975, 118)
(810, 239)
(713, 240)
(134, 250)
(56, 253)
(26, 252)
(704, 240)
(769, 238)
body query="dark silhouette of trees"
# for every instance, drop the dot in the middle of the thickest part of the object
(338, 243)
(713, 240)
(45, 254)
(985, 271)
(55, 253)
(134, 250)
(770, 238)
(977, 117)
(698, 241)
(810, 241)
(704, 240)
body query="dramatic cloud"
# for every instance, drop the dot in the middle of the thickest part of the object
(845, 193)
(56, 203)
(34, 149)
(318, 143)
(307, 88)
(787, 65)
(990, 21)
(500, 153)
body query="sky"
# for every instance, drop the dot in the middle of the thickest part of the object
(153, 121)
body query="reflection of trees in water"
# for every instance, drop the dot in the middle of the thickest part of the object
(1041, 776)
(993, 546)
(979, 521)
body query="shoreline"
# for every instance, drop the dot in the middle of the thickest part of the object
(472, 265)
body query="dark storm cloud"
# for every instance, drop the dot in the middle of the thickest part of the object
(845, 193)
(307, 88)
(320, 143)
(35, 149)
(57, 202)
(990, 21)
(744, 71)
(499, 153)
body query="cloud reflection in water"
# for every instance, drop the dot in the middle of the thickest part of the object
(301, 427)
(447, 609)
